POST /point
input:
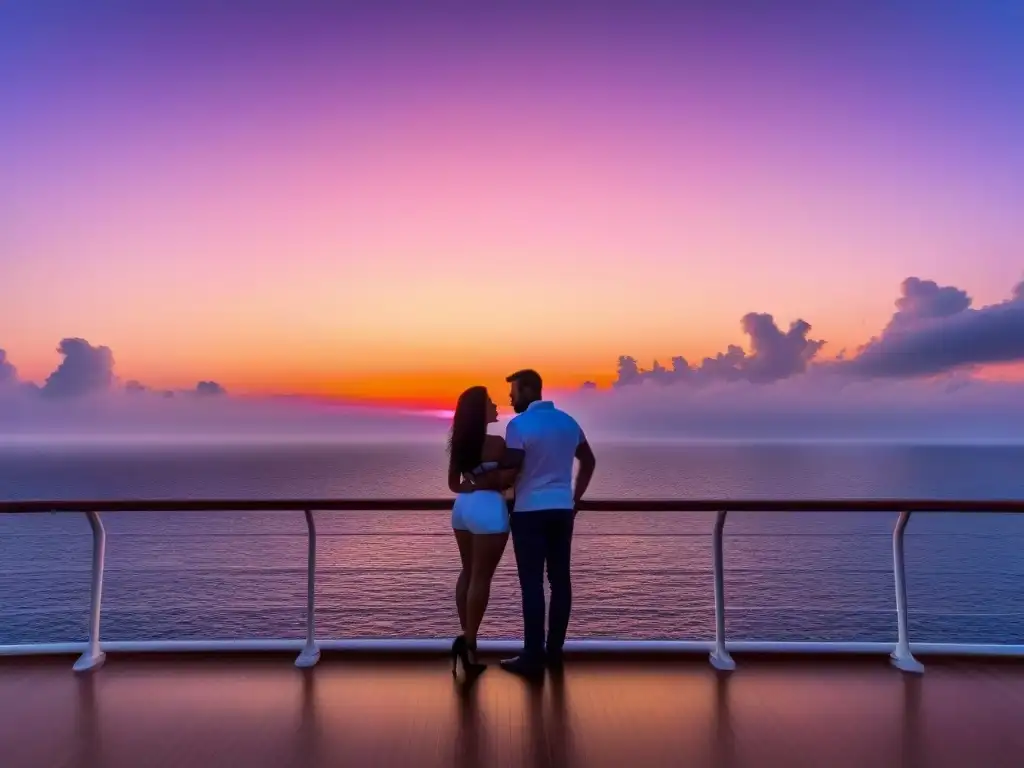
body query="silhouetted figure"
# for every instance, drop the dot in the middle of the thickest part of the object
(542, 443)
(479, 517)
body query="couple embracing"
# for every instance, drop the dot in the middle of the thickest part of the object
(535, 460)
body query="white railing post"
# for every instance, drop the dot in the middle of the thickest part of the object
(902, 658)
(94, 656)
(720, 658)
(310, 653)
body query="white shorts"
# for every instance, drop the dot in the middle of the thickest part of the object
(480, 512)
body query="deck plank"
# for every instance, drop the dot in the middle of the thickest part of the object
(257, 711)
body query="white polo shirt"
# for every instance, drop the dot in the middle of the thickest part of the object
(549, 437)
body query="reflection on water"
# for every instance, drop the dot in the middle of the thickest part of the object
(789, 577)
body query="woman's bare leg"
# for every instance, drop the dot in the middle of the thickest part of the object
(465, 541)
(487, 551)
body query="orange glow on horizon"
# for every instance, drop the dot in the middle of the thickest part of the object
(436, 394)
(420, 391)
(426, 379)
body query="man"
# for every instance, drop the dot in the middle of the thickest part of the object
(541, 445)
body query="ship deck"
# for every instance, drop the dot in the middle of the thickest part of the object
(219, 710)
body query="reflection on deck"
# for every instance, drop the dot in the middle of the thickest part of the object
(235, 710)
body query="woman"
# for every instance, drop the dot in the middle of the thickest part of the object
(479, 518)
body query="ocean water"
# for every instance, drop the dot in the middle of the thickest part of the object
(641, 575)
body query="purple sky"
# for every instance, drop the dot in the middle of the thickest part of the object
(322, 198)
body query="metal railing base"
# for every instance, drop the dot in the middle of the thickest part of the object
(89, 662)
(905, 662)
(436, 646)
(308, 658)
(722, 661)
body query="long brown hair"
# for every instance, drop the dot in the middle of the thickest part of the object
(469, 429)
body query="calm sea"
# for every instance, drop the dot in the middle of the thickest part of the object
(641, 575)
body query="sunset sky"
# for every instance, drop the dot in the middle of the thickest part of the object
(391, 205)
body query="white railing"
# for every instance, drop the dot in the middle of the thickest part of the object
(93, 653)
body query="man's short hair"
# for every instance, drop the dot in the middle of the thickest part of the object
(527, 379)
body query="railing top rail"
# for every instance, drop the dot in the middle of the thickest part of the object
(596, 505)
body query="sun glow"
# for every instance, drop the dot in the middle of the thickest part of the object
(437, 413)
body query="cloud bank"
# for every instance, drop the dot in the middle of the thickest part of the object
(774, 355)
(8, 373)
(84, 370)
(83, 400)
(818, 405)
(916, 380)
(210, 389)
(934, 331)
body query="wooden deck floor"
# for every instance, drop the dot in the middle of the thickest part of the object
(242, 711)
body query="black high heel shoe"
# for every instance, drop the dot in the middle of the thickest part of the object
(458, 650)
(461, 651)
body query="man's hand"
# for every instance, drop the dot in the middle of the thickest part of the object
(588, 462)
(466, 486)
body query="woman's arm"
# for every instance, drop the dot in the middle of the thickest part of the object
(456, 484)
(496, 480)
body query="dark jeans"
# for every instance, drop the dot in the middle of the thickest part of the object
(539, 538)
